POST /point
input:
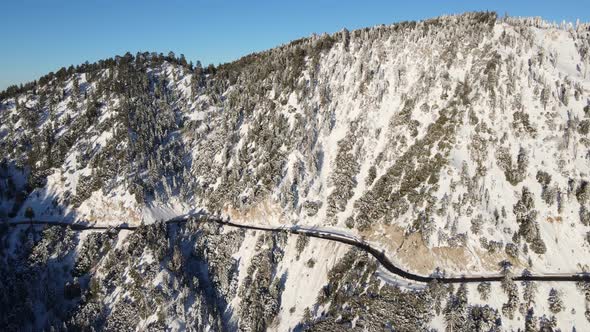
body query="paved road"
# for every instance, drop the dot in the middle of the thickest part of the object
(333, 236)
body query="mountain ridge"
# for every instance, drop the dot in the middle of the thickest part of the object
(457, 144)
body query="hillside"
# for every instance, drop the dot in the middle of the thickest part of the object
(458, 145)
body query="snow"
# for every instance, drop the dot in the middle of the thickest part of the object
(567, 320)
(401, 69)
(245, 252)
(303, 283)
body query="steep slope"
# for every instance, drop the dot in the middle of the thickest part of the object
(454, 143)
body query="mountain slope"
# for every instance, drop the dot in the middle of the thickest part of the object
(454, 144)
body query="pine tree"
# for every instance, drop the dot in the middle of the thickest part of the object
(182, 61)
(545, 97)
(555, 301)
(526, 217)
(484, 289)
(75, 87)
(530, 322)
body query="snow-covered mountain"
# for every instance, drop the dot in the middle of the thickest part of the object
(457, 145)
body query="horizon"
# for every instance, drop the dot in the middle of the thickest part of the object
(43, 43)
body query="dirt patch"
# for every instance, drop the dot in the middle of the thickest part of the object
(414, 255)
(101, 209)
(410, 253)
(556, 219)
(264, 212)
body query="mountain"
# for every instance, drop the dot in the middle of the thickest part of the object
(457, 145)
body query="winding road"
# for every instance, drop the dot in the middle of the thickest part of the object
(331, 236)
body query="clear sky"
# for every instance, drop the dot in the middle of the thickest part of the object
(43, 35)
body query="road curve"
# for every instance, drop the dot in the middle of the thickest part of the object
(332, 236)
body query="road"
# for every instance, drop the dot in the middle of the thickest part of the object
(333, 235)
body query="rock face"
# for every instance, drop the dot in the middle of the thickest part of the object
(454, 143)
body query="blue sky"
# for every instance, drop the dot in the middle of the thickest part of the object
(42, 36)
